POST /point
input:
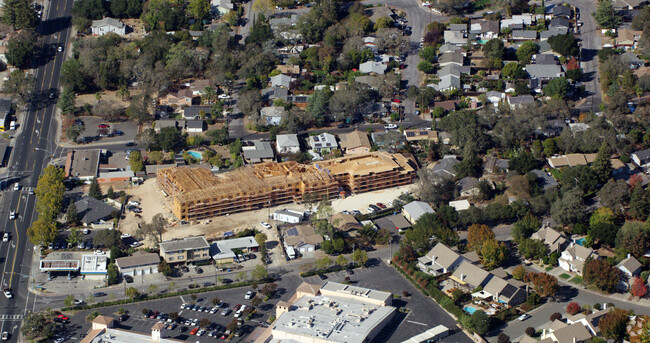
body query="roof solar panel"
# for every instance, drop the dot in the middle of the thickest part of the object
(410, 134)
(509, 291)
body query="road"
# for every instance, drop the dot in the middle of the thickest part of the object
(33, 148)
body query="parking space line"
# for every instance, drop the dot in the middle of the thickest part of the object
(410, 321)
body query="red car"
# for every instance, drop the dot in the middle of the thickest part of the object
(103, 126)
(381, 205)
(194, 331)
(62, 318)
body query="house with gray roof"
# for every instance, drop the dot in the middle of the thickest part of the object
(546, 181)
(448, 48)
(641, 157)
(560, 23)
(395, 222)
(485, 29)
(561, 11)
(388, 140)
(454, 38)
(273, 93)
(458, 27)
(281, 80)
(544, 47)
(323, 143)
(185, 250)
(416, 209)
(546, 34)
(257, 151)
(287, 144)
(468, 186)
(221, 7)
(372, 67)
(544, 71)
(196, 112)
(630, 266)
(523, 35)
(272, 114)
(140, 263)
(469, 276)
(445, 167)
(286, 22)
(92, 211)
(106, 25)
(521, 100)
(504, 292)
(454, 69)
(544, 59)
(555, 241)
(451, 58)
(195, 126)
(447, 83)
(440, 260)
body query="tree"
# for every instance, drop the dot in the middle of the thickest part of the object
(639, 203)
(525, 227)
(135, 161)
(526, 51)
(39, 326)
(532, 249)
(519, 272)
(602, 215)
(639, 288)
(606, 16)
(428, 53)
(581, 177)
(155, 229)
(523, 162)
(199, 9)
(74, 237)
(477, 234)
(530, 331)
(165, 268)
(132, 293)
(318, 106)
(71, 215)
(263, 6)
(513, 70)
(19, 14)
(633, 238)
(261, 238)
(360, 257)
(570, 209)
(112, 274)
(425, 67)
(494, 50)
(613, 324)
(557, 88)
(503, 338)
(545, 284)
(602, 275)
(74, 131)
(95, 191)
(341, 261)
(19, 85)
(565, 45)
(42, 231)
(493, 253)
(615, 194)
(69, 300)
(21, 48)
(573, 308)
(259, 273)
(107, 238)
(479, 322)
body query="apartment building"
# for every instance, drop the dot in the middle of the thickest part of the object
(186, 250)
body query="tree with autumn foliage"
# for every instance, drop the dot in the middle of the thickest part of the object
(493, 253)
(639, 288)
(601, 274)
(477, 234)
(545, 284)
(613, 324)
(573, 308)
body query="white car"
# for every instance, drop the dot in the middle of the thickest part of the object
(86, 232)
(12, 215)
(224, 96)
(125, 235)
(249, 295)
(78, 301)
(100, 252)
(390, 126)
(59, 48)
(133, 203)
(266, 225)
(5, 237)
(5, 336)
(8, 294)
(200, 332)
(16, 186)
(524, 317)
(370, 210)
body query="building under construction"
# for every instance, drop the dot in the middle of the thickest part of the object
(197, 193)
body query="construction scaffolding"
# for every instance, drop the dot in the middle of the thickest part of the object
(197, 193)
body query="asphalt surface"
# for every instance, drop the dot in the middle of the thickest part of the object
(33, 148)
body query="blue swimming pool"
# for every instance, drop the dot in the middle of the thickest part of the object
(195, 154)
(469, 309)
(581, 241)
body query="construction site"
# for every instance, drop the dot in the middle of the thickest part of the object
(196, 193)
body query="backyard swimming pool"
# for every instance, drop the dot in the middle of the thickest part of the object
(469, 309)
(195, 154)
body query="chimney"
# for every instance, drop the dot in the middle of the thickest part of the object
(628, 255)
(462, 277)
(574, 339)
(544, 334)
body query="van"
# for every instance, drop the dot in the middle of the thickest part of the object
(12, 125)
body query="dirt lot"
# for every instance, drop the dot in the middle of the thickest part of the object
(109, 96)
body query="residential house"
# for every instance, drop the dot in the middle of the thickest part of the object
(521, 100)
(455, 69)
(504, 292)
(458, 27)
(393, 222)
(439, 260)
(559, 23)
(287, 144)
(185, 250)
(544, 72)
(573, 258)
(544, 59)
(281, 80)
(184, 97)
(545, 180)
(222, 7)
(302, 239)
(447, 105)
(388, 141)
(574, 333)
(417, 135)
(448, 48)
(545, 48)
(469, 276)
(140, 263)
(346, 223)
(552, 128)
(641, 157)
(195, 126)
(630, 266)
(163, 123)
(495, 165)
(627, 39)
(5, 114)
(525, 19)
(628, 5)
(555, 241)
(447, 82)
(106, 25)
(196, 112)
(227, 250)
(523, 35)
(91, 211)
(257, 151)
(273, 93)
(289, 69)
(468, 186)
(560, 11)
(355, 142)
(272, 114)
(448, 58)
(369, 43)
(445, 167)
(416, 209)
(631, 60)
(495, 97)
(454, 38)
(546, 34)
(571, 160)
(485, 29)
(285, 23)
(372, 67)
(589, 321)
(323, 143)
(198, 86)
(460, 205)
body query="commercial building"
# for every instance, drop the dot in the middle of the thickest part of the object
(5, 114)
(138, 264)
(288, 216)
(70, 261)
(94, 265)
(197, 193)
(224, 251)
(186, 250)
(332, 313)
(103, 330)
(82, 164)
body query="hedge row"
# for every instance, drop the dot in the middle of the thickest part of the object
(166, 295)
(332, 269)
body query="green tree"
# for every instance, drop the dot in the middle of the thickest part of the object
(135, 161)
(639, 203)
(494, 49)
(39, 326)
(19, 14)
(602, 215)
(74, 237)
(341, 261)
(532, 249)
(426, 67)
(71, 215)
(602, 165)
(479, 322)
(132, 293)
(360, 257)
(107, 238)
(261, 238)
(66, 101)
(633, 238)
(550, 147)
(19, 85)
(571, 208)
(259, 273)
(69, 300)
(526, 51)
(428, 53)
(95, 191)
(152, 289)
(557, 88)
(615, 194)
(71, 77)
(199, 9)
(383, 23)
(493, 253)
(165, 268)
(525, 227)
(565, 45)
(21, 48)
(112, 274)
(606, 16)
(42, 231)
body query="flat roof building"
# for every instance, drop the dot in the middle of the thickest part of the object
(94, 265)
(82, 164)
(222, 251)
(138, 264)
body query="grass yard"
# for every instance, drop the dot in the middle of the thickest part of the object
(577, 280)
(565, 276)
(549, 268)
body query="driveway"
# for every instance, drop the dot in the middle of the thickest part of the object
(92, 129)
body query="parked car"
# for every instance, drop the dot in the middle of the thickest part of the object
(249, 295)
(390, 126)
(266, 225)
(194, 331)
(381, 205)
(5, 237)
(524, 317)
(5, 336)
(226, 312)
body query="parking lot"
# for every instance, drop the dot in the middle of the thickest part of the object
(92, 129)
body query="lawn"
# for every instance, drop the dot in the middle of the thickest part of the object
(577, 280)
(565, 276)
(549, 268)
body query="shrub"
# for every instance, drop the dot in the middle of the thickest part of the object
(503, 338)
(573, 308)
(598, 306)
(530, 331)
(555, 316)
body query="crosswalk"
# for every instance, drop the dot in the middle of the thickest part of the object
(6, 317)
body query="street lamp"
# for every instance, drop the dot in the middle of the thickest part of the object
(39, 149)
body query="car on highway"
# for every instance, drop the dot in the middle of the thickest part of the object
(12, 215)
(103, 126)
(5, 336)
(130, 144)
(249, 295)
(59, 49)
(8, 294)
(266, 225)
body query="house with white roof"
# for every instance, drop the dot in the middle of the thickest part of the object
(372, 67)
(281, 80)
(106, 25)
(439, 260)
(323, 143)
(416, 209)
(287, 144)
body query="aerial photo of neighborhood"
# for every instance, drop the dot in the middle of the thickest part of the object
(325, 171)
